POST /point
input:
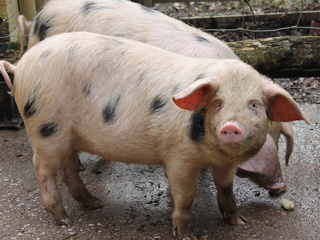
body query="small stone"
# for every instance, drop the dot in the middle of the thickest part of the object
(287, 204)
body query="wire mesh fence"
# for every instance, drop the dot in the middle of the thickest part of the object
(184, 9)
(252, 16)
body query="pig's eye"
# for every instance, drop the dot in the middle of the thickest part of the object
(219, 105)
(253, 106)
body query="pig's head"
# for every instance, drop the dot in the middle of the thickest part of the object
(236, 103)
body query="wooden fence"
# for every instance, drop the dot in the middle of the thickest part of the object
(9, 12)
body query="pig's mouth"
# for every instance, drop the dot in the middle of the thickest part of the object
(244, 148)
(234, 144)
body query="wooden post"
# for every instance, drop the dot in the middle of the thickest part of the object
(39, 4)
(9, 13)
(28, 8)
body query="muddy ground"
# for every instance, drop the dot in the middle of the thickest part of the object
(138, 204)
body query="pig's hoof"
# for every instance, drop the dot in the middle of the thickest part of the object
(186, 235)
(237, 219)
(189, 237)
(275, 192)
(64, 221)
(97, 203)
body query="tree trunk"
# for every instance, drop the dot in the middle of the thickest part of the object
(281, 56)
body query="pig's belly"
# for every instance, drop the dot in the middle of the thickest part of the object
(122, 149)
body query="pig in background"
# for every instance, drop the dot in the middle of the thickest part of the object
(131, 20)
(123, 19)
(135, 103)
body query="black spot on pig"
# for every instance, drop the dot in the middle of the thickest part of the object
(43, 31)
(48, 129)
(148, 9)
(202, 39)
(41, 28)
(86, 89)
(197, 126)
(157, 104)
(202, 75)
(45, 54)
(29, 108)
(71, 52)
(90, 6)
(142, 78)
(177, 88)
(109, 113)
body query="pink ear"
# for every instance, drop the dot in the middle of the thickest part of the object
(282, 107)
(197, 95)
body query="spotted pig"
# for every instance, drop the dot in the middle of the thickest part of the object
(135, 103)
(110, 17)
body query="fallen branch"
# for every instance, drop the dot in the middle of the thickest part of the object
(281, 56)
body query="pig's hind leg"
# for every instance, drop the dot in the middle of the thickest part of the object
(223, 179)
(46, 166)
(75, 184)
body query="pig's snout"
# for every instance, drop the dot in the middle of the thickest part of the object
(231, 134)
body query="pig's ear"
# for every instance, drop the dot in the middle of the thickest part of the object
(282, 107)
(197, 95)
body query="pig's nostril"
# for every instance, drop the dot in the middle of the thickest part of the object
(225, 132)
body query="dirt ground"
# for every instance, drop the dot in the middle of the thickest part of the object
(138, 204)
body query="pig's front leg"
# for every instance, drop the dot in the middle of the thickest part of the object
(223, 179)
(183, 180)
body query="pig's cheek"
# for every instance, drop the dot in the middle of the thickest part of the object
(261, 112)
(259, 119)
(258, 131)
(213, 124)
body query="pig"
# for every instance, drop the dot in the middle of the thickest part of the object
(123, 19)
(264, 168)
(135, 103)
(131, 20)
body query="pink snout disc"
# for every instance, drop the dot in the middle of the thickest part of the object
(231, 134)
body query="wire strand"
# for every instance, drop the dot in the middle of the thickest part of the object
(257, 31)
